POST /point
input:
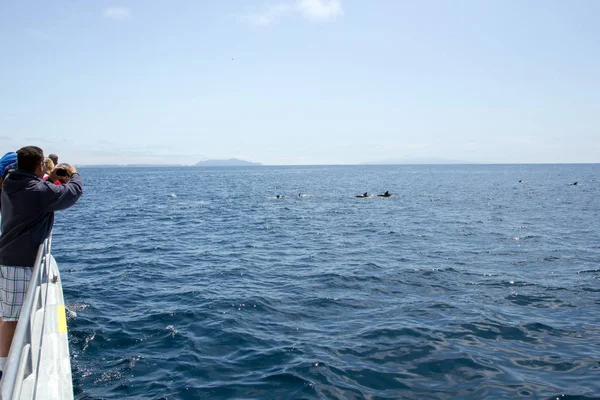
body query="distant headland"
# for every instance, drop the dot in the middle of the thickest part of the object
(232, 162)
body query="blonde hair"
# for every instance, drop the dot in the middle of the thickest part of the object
(49, 165)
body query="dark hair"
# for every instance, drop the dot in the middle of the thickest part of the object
(54, 158)
(29, 157)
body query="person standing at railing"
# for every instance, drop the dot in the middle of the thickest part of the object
(28, 206)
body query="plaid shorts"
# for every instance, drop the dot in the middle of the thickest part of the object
(14, 282)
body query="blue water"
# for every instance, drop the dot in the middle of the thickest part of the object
(192, 283)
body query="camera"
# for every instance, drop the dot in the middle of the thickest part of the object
(62, 172)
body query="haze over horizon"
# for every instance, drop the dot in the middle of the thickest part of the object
(294, 82)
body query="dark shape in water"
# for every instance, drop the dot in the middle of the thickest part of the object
(573, 184)
(362, 195)
(386, 194)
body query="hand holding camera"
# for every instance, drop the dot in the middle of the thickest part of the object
(62, 173)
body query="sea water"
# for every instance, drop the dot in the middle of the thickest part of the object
(471, 281)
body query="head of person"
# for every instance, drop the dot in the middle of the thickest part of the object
(61, 173)
(31, 159)
(48, 165)
(54, 158)
(7, 159)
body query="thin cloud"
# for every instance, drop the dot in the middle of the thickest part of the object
(320, 9)
(269, 14)
(117, 13)
(316, 10)
(522, 139)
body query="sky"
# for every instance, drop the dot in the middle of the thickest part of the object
(293, 82)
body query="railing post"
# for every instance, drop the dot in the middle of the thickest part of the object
(29, 366)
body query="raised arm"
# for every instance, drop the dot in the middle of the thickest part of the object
(65, 195)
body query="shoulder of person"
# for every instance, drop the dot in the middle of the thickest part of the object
(48, 186)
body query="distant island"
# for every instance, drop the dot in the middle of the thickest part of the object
(232, 162)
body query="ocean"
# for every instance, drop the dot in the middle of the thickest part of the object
(470, 281)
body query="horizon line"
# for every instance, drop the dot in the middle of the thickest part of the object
(147, 165)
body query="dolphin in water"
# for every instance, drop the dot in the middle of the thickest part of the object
(573, 184)
(386, 194)
(365, 194)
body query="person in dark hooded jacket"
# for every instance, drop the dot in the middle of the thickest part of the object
(28, 206)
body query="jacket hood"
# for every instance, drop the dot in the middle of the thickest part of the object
(19, 180)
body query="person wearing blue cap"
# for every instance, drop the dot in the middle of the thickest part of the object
(6, 160)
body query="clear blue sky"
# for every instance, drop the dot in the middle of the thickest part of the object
(302, 81)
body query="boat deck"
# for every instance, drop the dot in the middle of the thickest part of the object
(38, 365)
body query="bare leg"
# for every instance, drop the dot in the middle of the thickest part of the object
(7, 331)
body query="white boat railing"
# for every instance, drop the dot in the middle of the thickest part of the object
(38, 365)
